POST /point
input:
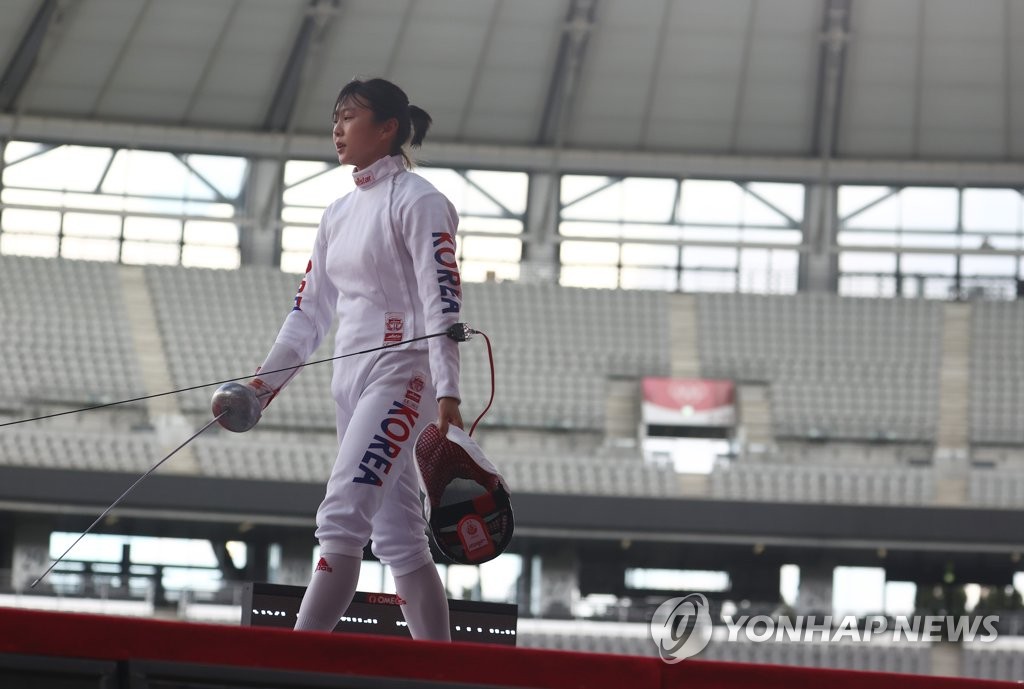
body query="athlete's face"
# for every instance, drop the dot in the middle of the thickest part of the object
(358, 138)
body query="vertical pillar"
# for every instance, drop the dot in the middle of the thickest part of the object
(815, 592)
(757, 582)
(294, 564)
(540, 248)
(30, 555)
(819, 266)
(260, 237)
(257, 562)
(559, 584)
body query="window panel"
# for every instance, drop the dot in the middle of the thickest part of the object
(589, 229)
(929, 208)
(210, 233)
(294, 261)
(709, 281)
(650, 255)
(298, 239)
(709, 257)
(709, 201)
(470, 223)
(508, 188)
(491, 249)
(649, 278)
(988, 265)
(482, 271)
(322, 190)
(28, 245)
(30, 221)
(225, 173)
(992, 210)
(210, 257)
(589, 253)
(884, 215)
(154, 229)
(928, 264)
(574, 187)
(153, 173)
(866, 262)
(302, 214)
(788, 198)
(16, 150)
(143, 253)
(867, 286)
(756, 212)
(588, 276)
(712, 234)
(93, 210)
(78, 168)
(92, 225)
(90, 249)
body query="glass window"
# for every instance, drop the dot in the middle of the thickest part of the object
(76, 168)
(668, 213)
(992, 210)
(121, 205)
(927, 225)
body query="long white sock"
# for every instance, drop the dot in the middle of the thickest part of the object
(329, 593)
(426, 605)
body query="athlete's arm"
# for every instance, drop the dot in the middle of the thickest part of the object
(429, 225)
(304, 328)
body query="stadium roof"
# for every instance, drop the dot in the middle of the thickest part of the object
(915, 80)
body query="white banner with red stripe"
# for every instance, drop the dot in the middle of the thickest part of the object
(689, 402)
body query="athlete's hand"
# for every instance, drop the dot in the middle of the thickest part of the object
(264, 393)
(448, 412)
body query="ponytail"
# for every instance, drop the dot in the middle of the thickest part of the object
(421, 122)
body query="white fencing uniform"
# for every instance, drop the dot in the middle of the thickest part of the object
(384, 262)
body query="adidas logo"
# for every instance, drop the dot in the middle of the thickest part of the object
(322, 566)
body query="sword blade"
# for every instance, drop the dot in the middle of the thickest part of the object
(125, 494)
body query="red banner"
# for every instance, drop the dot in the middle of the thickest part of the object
(689, 402)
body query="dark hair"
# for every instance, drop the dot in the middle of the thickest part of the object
(386, 100)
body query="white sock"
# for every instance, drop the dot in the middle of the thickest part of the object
(329, 593)
(426, 604)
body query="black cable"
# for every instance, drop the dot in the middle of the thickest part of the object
(458, 332)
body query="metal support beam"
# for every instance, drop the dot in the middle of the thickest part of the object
(803, 169)
(286, 95)
(540, 263)
(20, 67)
(820, 269)
(579, 22)
(835, 36)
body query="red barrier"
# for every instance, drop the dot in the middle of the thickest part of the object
(95, 637)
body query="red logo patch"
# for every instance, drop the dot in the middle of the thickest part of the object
(476, 542)
(322, 566)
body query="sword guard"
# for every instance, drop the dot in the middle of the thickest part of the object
(237, 407)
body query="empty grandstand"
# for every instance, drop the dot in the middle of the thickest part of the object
(813, 209)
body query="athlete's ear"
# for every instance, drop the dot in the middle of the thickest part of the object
(389, 128)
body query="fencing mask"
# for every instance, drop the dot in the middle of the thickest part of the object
(467, 501)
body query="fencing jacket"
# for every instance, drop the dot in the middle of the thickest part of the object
(384, 261)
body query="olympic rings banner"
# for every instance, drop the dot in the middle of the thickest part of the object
(689, 402)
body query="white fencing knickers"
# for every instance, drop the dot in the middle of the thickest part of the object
(373, 491)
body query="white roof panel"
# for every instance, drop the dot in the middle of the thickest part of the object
(922, 78)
